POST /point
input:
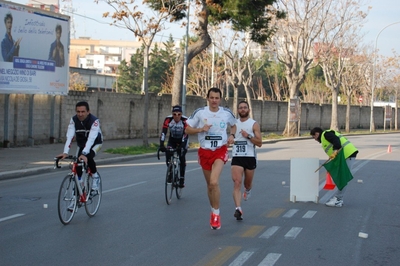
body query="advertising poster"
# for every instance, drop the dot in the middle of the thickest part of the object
(34, 51)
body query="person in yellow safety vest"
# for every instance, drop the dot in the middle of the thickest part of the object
(332, 141)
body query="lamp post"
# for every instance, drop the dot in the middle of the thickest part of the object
(371, 125)
(185, 65)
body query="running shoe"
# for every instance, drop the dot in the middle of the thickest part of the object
(95, 183)
(238, 215)
(215, 221)
(246, 194)
(334, 202)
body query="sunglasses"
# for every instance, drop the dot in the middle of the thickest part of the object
(175, 114)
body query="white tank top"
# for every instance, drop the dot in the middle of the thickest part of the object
(243, 146)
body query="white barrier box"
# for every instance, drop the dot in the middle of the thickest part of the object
(304, 181)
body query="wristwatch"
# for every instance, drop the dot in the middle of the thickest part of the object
(249, 136)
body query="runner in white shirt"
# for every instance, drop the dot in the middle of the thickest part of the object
(244, 158)
(211, 124)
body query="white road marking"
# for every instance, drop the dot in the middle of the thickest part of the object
(309, 214)
(269, 232)
(242, 258)
(290, 213)
(270, 259)
(292, 234)
(119, 188)
(11, 217)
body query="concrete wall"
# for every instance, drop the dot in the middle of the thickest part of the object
(121, 115)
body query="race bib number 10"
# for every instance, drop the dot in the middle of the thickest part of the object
(213, 141)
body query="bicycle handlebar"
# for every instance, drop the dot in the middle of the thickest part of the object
(168, 149)
(69, 157)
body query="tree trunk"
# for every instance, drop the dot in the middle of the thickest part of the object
(204, 40)
(291, 128)
(334, 120)
(348, 114)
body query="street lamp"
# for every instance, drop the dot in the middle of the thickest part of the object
(371, 125)
(185, 65)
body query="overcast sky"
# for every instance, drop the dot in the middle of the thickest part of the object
(89, 23)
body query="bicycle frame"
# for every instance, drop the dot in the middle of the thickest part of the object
(74, 174)
(172, 175)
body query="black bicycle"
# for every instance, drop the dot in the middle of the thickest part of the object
(75, 193)
(172, 175)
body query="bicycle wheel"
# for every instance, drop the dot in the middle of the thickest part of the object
(169, 185)
(93, 198)
(178, 189)
(67, 199)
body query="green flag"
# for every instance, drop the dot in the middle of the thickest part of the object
(339, 170)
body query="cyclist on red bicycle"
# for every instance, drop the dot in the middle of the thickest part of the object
(85, 127)
(176, 123)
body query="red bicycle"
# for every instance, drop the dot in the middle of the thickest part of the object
(75, 193)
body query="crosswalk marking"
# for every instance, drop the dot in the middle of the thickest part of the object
(275, 213)
(270, 259)
(290, 213)
(242, 258)
(270, 231)
(253, 231)
(309, 214)
(292, 234)
(219, 256)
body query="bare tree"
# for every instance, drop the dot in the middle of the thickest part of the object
(340, 36)
(295, 41)
(129, 15)
(352, 82)
(244, 16)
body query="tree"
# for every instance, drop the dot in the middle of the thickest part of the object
(130, 74)
(307, 24)
(144, 27)
(341, 38)
(252, 16)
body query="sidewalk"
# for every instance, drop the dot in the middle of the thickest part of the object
(24, 161)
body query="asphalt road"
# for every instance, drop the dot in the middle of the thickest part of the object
(135, 226)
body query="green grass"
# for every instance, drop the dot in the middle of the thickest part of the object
(133, 150)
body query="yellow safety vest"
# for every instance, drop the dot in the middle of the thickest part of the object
(347, 146)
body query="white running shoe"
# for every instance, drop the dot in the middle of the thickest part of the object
(246, 194)
(334, 202)
(95, 183)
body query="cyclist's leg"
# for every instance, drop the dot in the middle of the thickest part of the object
(79, 168)
(93, 168)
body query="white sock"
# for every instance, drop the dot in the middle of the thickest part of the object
(215, 211)
(239, 208)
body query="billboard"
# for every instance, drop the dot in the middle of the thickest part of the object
(34, 50)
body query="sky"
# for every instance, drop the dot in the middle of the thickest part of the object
(88, 22)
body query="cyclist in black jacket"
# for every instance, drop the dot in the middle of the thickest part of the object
(176, 123)
(85, 127)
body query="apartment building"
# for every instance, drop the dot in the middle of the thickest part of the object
(102, 55)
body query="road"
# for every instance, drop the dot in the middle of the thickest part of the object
(135, 226)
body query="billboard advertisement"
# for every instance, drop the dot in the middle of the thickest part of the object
(34, 50)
